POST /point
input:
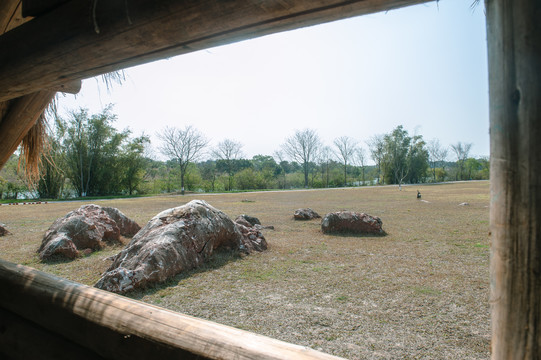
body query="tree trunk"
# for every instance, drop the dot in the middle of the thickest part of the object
(345, 174)
(514, 53)
(181, 180)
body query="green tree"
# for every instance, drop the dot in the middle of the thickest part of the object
(92, 146)
(405, 157)
(208, 173)
(134, 162)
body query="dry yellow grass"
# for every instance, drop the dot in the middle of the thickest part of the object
(419, 292)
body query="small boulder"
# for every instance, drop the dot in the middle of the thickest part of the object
(174, 241)
(252, 238)
(252, 220)
(88, 227)
(351, 222)
(3, 230)
(305, 214)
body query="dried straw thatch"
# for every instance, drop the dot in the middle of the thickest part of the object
(34, 143)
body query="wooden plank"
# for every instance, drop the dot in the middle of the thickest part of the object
(85, 38)
(19, 118)
(117, 327)
(23, 339)
(514, 53)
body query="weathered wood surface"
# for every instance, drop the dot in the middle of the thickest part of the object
(514, 53)
(116, 327)
(11, 15)
(85, 38)
(21, 115)
(38, 7)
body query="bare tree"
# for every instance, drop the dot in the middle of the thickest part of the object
(228, 151)
(324, 161)
(183, 146)
(302, 147)
(346, 148)
(462, 151)
(360, 158)
(281, 158)
(436, 153)
(376, 146)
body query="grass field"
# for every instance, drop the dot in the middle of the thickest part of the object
(421, 292)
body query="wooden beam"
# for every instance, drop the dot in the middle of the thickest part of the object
(39, 7)
(85, 38)
(20, 117)
(116, 327)
(72, 87)
(514, 53)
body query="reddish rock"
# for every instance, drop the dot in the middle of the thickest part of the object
(174, 241)
(351, 222)
(88, 227)
(252, 239)
(305, 214)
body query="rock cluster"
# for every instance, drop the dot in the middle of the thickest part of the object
(351, 222)
(305, 214)
(84, 230)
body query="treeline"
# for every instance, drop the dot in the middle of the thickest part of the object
(87, 156)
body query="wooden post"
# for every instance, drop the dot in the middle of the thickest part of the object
(514, 52)
(21, 116)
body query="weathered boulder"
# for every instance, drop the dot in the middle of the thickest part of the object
(352, 222)
(174, 241)
(251, 220)
(88, 227)
(305, 214)
(3, 230)
(252, 238)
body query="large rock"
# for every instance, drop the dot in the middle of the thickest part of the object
(305, 214)
(174, 241)
(85, 229)
(351, 222)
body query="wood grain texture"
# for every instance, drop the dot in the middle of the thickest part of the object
(514, 53)
(117, 327)
(21, 115)
(85, 38)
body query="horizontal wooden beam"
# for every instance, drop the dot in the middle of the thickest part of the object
(116, 327)
(21, 115)
(85, 38)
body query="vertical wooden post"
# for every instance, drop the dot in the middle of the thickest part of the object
(514, 52)
(23, 114)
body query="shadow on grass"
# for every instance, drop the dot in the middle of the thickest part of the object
(352, 234)
(218, 259)
(56, 259)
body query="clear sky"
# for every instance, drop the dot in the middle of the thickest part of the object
(423, 67)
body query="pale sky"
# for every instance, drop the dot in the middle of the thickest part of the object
(424, 67)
